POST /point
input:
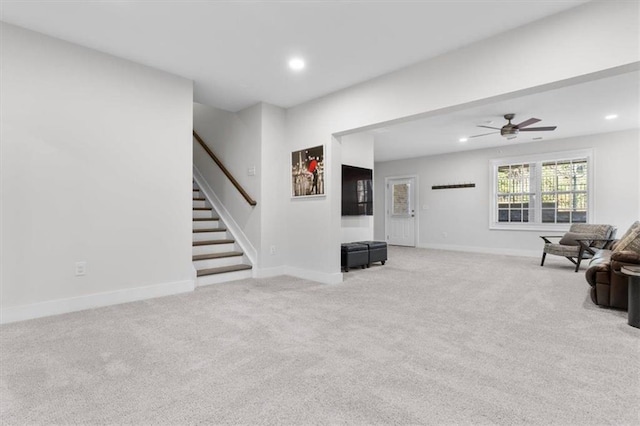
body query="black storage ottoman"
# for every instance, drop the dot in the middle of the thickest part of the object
(377, 251)
(353, 255)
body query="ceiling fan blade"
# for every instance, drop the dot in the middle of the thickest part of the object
(528, 122)
(539, 129)
(484, 134)
(488, 127)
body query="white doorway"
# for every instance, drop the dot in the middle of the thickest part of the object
(400, 209)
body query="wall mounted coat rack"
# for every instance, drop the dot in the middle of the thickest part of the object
(459, 185)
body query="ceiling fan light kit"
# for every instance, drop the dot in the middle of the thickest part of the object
(511, 131)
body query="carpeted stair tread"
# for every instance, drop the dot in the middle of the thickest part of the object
(211, 242)
(201, 219)
(199, 199)
(210, 230)
(217, 255)
(202, 208)
(223, 269)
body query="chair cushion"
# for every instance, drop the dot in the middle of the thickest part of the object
(630, 241)
(602, 231)
(570, 238)
(561, 250)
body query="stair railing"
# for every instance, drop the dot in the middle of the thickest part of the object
(226, 172)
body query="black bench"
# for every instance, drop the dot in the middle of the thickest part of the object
(354, 255)
(377, 251)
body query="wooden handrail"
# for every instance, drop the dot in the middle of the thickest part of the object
(228, 174)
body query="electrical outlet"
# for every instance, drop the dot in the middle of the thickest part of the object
(445, 235)
(81, 269)
(251, 171)
(272, 250)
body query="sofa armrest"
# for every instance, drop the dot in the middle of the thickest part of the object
(622, 258)
(626, 256)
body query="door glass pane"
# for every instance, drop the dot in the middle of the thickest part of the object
(400, 199)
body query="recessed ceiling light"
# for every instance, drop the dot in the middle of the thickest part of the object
(463, 139)
(611, 117)
(296, 64)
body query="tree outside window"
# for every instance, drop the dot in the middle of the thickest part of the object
(544, 191)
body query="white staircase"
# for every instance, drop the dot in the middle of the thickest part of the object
(216, 255)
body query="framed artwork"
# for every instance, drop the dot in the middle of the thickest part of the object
(308, 172)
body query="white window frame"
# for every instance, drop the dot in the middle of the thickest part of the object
(539, 158)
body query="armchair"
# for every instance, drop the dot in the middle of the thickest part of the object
(579, 243)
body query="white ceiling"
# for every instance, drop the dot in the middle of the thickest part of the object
(236, 51)
(576, 110)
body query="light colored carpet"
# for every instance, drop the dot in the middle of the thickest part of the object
(433, 337)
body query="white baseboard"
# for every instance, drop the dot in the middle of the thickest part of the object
(487, 250)
(321, 277)
(268, 272)
(90, 301)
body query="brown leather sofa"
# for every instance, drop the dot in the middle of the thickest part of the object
(608, 286)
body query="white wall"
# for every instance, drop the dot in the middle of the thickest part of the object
(458, 219)
(597, 38)
(96, 167)
(357, 150)
(274, 194)
(235, 138)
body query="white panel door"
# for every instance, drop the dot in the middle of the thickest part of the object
(400, 217)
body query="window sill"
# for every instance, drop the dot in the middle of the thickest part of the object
(548, 227)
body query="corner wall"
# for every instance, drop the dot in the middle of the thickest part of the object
(272, 252)
(458, 219)
(95, 168)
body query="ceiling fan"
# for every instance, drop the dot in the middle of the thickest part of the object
(510, 131)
